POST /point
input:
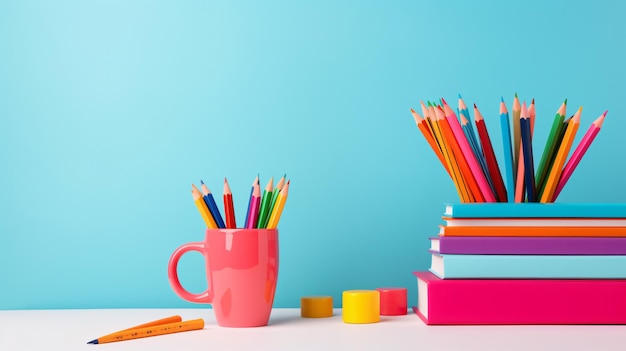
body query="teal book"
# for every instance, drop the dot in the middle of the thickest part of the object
(529, 266)
(535, 210)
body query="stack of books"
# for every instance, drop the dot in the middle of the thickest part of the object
(526, 263)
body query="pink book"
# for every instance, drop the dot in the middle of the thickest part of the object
(520, 301)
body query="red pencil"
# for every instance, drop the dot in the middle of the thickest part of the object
(229, 208)
(490, 157)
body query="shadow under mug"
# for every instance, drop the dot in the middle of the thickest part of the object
(241, 269)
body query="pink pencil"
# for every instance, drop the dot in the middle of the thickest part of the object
(483, 184)
(255, 202)
(519, 187)
(578, 154)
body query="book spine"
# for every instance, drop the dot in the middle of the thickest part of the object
(533, 266)
(531, 245)
(525, 301)
(536, 210)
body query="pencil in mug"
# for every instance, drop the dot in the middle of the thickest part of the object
(210, 203)
(266, 203)
(507, 150)
(164, 326)
(277, 189)
(229, 208)
(278, 209)
(490, 156)
(202, 208)
(561, 156)
(256, 180)
(255, 201)
(578, 154)
(527, 146)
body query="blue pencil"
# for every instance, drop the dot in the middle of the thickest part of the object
(508, 151)
(250, 200)
(527, 146)
(210, 203)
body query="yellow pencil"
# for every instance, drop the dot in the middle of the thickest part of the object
(559, 160)
(201, 205)
(272, 223)
(152, 330)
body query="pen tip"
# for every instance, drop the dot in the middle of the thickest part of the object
(95, 341)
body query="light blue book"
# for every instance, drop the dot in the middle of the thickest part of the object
(529, 266)
(535, 210)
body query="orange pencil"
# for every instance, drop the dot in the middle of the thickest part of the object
(422, 125)
(561, 156)
(466, 172)
(229, 208)
(150, 330)
(457, 179)
(277, 211)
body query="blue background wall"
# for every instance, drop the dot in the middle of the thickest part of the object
(109, 110)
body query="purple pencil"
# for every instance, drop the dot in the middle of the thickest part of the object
(255, 202)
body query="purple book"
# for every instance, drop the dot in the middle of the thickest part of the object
(528, 245)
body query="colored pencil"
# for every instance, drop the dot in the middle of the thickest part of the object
(202, 207)
(229, 208)
(153, 330)
(578, 153)
(278, 209)
(210, 203)
(430, 125)
(253, 219)
(490, 156)
(477, 173)
(423, 127)
(519, 179)
(551, 145)
(529, 168)
(255, 182)
(471, 138)
(516, 132)
(465, 176)
(453, 166)
(277, 189)
(561, 156)
(266, 203)
(507, 150)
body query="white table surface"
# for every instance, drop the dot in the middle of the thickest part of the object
(71, 329)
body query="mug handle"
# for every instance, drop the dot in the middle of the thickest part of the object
(172, 272)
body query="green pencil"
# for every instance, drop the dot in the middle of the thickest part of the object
(266, 202)
(551, 147)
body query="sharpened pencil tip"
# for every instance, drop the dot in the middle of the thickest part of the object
(515, 94)
(460, 96)
(565, 102)
(443, 102)
(201, 182)
(533, 101)
(501, 98)
(605, 112)
(475, 106)
(95, 341)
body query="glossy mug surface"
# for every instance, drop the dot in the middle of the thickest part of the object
(241, 268)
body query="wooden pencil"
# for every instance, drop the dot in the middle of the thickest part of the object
(551, 145)
(490, 156)
(529, 169)
(229, 208)
(578, 154)
(559, 160)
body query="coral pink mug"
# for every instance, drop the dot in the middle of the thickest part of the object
(241, 268)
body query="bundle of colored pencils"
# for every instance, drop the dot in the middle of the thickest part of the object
(263, 211)
(471, 162)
